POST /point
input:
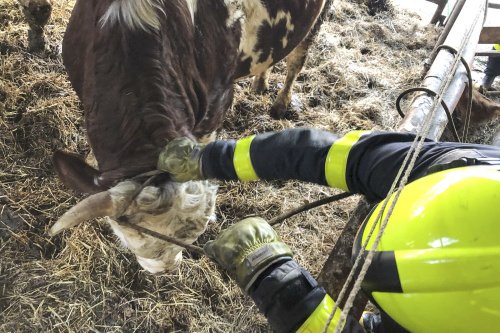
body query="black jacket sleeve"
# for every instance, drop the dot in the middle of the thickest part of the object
(371, 164)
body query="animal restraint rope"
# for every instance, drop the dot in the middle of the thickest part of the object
(123, 220)
(402, 179)
(445, 107)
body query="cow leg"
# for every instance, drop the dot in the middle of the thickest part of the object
(37, 13)
(294, 63)
(260, 82)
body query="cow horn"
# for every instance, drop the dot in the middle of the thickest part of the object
(97, 205)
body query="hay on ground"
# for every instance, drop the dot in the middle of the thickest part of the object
(84, 280)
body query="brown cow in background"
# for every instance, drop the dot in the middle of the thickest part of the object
(149, 71)
(483, 109)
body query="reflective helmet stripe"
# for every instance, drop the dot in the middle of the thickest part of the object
(317, 320)
(241, 160)
(336, 160)
(448, 269)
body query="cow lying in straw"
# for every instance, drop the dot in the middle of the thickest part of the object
(148, 71)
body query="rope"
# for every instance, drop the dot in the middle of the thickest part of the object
(308, 206)
(469, 90)
(432, 94)
(443, 104)
(407, 167)
(123, 220)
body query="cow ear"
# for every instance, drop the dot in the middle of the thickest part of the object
(75, 173)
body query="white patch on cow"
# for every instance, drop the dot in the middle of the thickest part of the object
(255, 15)
(235, 11)
(207, 138)
(180, 210)
(135, 14)
(192, 5)
(159, 266)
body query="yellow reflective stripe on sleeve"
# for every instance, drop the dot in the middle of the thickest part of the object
(317, 320)
(241, 160)
(497, 47)
(336, 160)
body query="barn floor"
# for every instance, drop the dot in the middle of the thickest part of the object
(84, 280)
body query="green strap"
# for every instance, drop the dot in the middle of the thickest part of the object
(317, 320)
(241, 160)
(336, 160)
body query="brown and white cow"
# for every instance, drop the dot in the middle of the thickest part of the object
(148, 71)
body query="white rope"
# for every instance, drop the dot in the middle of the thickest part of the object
(406, 167)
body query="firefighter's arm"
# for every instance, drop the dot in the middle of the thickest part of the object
(262, 265)
(359, 162)
(302, 154)
(290, 154)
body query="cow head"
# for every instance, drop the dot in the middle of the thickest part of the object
(145, 76)
(180, 210)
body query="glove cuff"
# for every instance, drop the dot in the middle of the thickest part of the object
(258, 261)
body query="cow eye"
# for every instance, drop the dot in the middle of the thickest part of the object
(149, 196)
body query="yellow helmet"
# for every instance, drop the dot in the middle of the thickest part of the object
(437, 267)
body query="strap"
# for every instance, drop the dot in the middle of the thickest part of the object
(242, 161)
(336, 160)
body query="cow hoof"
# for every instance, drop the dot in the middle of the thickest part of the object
(260, 86)
(280, 110)
(284, 113)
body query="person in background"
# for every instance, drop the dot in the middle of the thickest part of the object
(492, 70)
(437, 267)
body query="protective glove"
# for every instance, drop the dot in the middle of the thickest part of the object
(246, 249)
(181, 158)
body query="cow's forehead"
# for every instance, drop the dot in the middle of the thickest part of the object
(159, 200)
(180, 210)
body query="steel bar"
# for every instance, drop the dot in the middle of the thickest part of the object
(439, 10)
(444, 34)
(493, 93)
(338, 265)
(488, 53)
(494, 5)
(440, 68)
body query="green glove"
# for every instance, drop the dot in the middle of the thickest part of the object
(181, 158)
(246, 249)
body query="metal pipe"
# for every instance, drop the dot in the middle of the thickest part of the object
(444, 34)
(494, 5)
(439, 10)
(440, 70)
(494, 54)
